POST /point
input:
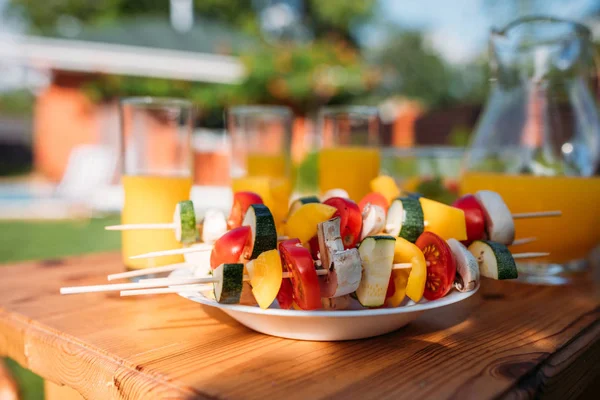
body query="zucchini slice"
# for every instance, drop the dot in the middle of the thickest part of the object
(264, 234)
(230, 279)
(377, 256)
(405, 219)
(495, 261)
(296, 204)
(184, 219)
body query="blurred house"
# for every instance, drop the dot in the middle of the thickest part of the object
(64, 117)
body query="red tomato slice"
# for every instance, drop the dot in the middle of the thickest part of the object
(377, 199)
(350, 220)
(474, 218)
(285, 297)
(298, 261)
(229, 247)
(441, 269)
(241, 202)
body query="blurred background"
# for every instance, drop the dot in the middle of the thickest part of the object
(64, 65)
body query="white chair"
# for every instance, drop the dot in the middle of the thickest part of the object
(90, 167)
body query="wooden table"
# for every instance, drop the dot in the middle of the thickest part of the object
(509, 340)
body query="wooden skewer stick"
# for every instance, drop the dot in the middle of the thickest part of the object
(201, 247)
(136, 227)
(518, 256)
(115, 287)
(523, 241)
(148, 271)
(529, 255)
(174, 289)
(539, 214)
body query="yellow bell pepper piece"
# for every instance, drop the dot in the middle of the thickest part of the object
(302, 224)
(443, 220)
(266, 278)
(386, 185)
(405, 251)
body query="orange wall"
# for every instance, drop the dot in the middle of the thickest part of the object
(63, 119)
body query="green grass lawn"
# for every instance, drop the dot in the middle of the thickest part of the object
(20, 241)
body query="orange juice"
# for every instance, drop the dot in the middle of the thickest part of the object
(569, 237)
(150, 199)
(267, 176)
(349, 168)
(271, 165)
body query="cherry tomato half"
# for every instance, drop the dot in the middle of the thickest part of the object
(350, 220)
(241, 202)
(376, 199)
(441, 269)
(229, 247)
(474, 217)
(298, 262)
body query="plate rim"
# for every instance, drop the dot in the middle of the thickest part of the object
(197, 297)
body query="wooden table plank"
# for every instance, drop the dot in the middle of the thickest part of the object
(508, 340)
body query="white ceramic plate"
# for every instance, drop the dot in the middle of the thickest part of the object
(322, 325)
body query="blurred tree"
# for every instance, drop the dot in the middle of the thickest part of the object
(337, 17)
(299, 74)
(47, 19)
(411, 68)
(325, 18)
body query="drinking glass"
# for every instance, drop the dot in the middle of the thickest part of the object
(349, 156)
(537, 142)
(156, 172)
(260, 138)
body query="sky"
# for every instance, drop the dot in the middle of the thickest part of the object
(458, 29)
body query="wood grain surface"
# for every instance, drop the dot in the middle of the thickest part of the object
(508, 341)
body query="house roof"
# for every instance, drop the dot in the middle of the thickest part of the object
(141, 47)
(204, 36)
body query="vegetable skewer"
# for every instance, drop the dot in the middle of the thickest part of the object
(159, 282)
(488, 217)
(184, 224)
(167, 290)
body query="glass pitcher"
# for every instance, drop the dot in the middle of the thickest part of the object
(537, 142)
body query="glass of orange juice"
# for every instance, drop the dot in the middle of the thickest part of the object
(349, 157)
(260, 138)
(156, 172)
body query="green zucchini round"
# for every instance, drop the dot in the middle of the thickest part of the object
(230, 280)
(405, 219)
(495, 260)
(264, 234)
(185, 222)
